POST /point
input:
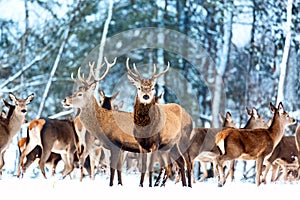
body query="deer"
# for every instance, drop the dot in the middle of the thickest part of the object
(297, 141)
(202, 147)
(159, 126)
(11, 125)
(284, 154)
(252, 144)
(112, 128)
(88, 144)
(52, 135)
(53, 159)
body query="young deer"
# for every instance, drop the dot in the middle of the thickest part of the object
(52, 135)
(286, 151)
(11, 125)
(159, 126)
(53, 159)
(297, 141)
(112, 128)
(252, 144)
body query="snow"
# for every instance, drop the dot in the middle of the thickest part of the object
(54, 188)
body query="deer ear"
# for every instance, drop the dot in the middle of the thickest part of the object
(228, 115)
(272, 107)
(221, 118)
(102, 95)
(12, 97)
(6, 104)
(254, 112)
(280, 108)
(29, 98)
(93, 86)
(249, 111)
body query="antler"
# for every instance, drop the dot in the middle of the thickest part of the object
(135, 75)
(155, 76)
(87, 82)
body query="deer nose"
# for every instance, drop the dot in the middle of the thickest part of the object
(23, 110)
(146, 97)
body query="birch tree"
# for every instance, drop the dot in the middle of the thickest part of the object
(222, 60)
(283, 64)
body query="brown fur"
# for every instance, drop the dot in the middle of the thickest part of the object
(53, 159)
(113, 128)
(55, 136)
(286, 150)
(159, 127)
(252, 144)
(203, 148)
(87, 141)
(297, 141)
(11, 125)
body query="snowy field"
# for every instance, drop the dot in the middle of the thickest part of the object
(54, 188)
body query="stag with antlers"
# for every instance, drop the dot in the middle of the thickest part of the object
(159, 126)
(114, 129)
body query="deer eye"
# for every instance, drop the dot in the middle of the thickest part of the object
(139, 88)
(79, 94)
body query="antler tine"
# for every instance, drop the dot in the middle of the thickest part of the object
(137, 72)
(75, 81)
(154, 69)
(133, 75)
(91, 64)
(81, 78)
(161, 73)
(108, 66)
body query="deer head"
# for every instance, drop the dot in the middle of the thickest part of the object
(145, 87)
(19, 104)
(255, 121)
(227, 121)
(281, 115)
(86, 89)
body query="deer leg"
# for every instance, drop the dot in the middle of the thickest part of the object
(230, 170)
(275, 172)
(1, 163)
(150, 169)
(28, 149)
(114, 160)
(204, 171)
(70, 161)
(259, 165)
(220, 161)
(144, 168)
(177, 156)
(119, 168)
(44, 157)
(266, 171)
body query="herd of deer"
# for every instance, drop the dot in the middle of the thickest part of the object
(162, 133)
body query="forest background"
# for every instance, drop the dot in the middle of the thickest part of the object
(253, 49)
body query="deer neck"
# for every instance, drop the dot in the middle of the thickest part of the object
(88, 115)
(250, 124)
(276, 129)
(15, 123)
(143, 112)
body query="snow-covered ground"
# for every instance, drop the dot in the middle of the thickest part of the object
(54, 188)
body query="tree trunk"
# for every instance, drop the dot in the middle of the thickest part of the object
(218, 103)
(283, 64)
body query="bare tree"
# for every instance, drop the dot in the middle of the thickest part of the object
(287, 43)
